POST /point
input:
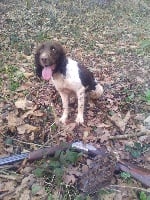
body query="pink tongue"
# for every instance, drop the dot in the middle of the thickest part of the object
(47, 73)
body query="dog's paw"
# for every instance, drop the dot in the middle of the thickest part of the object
(79, 119)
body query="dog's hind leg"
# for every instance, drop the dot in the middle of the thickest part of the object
(65, 102)
(81, 101)
(95, 94)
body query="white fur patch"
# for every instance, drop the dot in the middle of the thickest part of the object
(71, 81)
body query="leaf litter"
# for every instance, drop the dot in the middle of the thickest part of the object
(30, 112)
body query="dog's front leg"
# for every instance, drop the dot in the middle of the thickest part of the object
(81, 100)
(65, 99)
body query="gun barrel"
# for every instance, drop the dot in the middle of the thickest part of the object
(13, 158)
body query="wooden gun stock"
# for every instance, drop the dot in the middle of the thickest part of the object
(47, 151)
(141, 174)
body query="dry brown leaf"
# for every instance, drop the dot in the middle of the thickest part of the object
(102, 125)
(13, 120)
(85, 168)
(90, 113)
(105, 136)
(70, 127)
(28, 74)
(69, 179)
(25, 86)
(24, 186)
(89, 161)
(73, 171)
(24, 104)
(32, 112)
(9, 149)
(25, 194)
(38, 113)
(85, 135)
(119, 121)
(26, 128)
(99, 131)
(8, 187)
(32, 136)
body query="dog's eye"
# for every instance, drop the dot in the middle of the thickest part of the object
(53, 49)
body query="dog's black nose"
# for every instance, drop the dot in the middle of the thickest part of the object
(44, 60)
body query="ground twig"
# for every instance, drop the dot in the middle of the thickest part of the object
(129, 187)
(125, 136)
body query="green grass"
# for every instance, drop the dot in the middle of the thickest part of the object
(147, 96)
(13, 77)
(125, 176)
(53, 171)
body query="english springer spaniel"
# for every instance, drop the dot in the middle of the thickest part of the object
(67, 75)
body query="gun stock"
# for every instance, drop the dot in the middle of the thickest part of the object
(139, 173)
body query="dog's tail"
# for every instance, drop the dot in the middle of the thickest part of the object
(95, 94)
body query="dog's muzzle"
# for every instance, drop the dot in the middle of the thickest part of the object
(45, 59)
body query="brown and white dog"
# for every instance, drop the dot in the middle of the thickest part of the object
(67, 75)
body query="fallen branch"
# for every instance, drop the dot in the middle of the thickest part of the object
(29, 143)
(10, 177)
(6, 194)
(129, 187)
(125, 136)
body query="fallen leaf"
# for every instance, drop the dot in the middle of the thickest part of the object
(24, 185)
(28, 74)
(85, 135)
(69, 179)
(89, 161)
(70, 127)
(24, 104)
(38, 113)
(119, 121)
(23, 87)
(73, 171)
(25, 194)
(13, 121)
(85, 168)
(9, 185)
(33, 112)
(105, 136)
(9, 149)
(101, 125)
(32, 136)
(26, 128)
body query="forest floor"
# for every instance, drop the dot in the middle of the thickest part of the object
(111, 38)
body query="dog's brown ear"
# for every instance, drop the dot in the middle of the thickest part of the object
(38, 67)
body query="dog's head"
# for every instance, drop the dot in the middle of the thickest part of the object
(49, 58)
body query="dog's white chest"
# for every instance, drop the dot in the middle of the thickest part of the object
(71, 81)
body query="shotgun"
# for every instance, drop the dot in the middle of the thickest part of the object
(139, 173)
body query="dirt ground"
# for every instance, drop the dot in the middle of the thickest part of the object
(109, 37)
